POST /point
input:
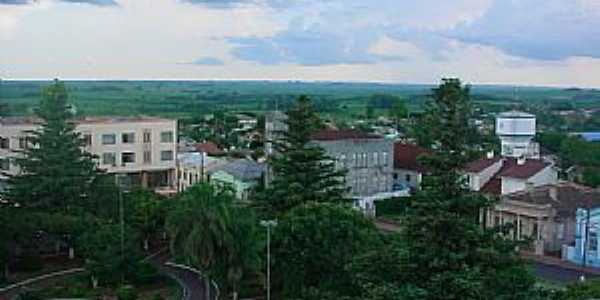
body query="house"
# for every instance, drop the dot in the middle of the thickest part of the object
(193, 167)
(210, 148)
(408, 171)
(587, 228)
(504, 175)
(242, 175)
(142, 149)
(547, 214)
(246, 122)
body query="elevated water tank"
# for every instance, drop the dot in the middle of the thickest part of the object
(516, 131)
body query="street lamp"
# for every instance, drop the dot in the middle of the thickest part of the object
(268, 224)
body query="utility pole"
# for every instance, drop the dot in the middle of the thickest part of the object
(268, 224)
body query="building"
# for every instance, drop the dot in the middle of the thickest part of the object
(408, 171)
(368, 158)
(546, 214)
(504, 175)
(242, 175)
(142, 148)
(246, 122)
(193, 167)
(209, 148)
(516, 131)
(587, 229)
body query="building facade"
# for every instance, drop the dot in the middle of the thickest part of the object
(368, 158)
(144, 149)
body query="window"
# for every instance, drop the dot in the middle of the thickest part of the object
(147, 157)
(343, 160)
(128, 138)
(147, 136)
(87, 139)
(376, 158)
(127, 157)
(166, 155)
(384, 157)
(4, 164)
(395, 176)
(407, 178)
(4, 143)
(166, 137)
(363, 159)
(354, 160)
(23, 142)
(109, 158)
(593, 242)
(109, 139)
(560, 231)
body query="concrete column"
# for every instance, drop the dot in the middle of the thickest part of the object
(144, 176)
(539, 229)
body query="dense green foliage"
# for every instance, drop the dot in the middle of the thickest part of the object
(573, 151)
(314, 242)
(449, 254)
(302, 170)
(210, 232)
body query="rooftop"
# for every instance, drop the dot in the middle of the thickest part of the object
(406, 157)
(209, 148)
(565, 197)
(481, 164)
(516, 114)
(511, 168)
(346, 134)
(242, 169)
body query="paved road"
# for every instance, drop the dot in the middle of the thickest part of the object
(190, 281)
(557, 273)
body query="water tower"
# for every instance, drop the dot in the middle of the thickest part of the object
(516, 131)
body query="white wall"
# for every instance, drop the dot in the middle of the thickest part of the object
(544, 177)
(478, 180)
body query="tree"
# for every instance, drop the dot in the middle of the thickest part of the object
(101, 247)
(197, 226)
(302, 170)
(398, 111)
(243, 253)
(56, 174)
(146, 215)
(314, 242)
(450, 255)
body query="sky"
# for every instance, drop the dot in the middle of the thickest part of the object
(524, 42)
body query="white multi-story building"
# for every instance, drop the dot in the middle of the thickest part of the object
(142, 148)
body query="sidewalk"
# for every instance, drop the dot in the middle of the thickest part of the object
(555, 261)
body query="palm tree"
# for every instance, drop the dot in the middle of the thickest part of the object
(243, 249)
(198, 227)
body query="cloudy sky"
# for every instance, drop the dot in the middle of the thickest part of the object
(533, 42)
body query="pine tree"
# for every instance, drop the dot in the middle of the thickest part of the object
(450, 255)
(55, 172)
(302, 170)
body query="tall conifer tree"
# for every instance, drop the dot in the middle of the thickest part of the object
(56, 174)
(450, 255)
(302, 170)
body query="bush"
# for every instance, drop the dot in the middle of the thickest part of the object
(127, 292)
(392, 207)
(145, 273)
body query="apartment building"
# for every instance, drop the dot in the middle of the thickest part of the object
(142, 148)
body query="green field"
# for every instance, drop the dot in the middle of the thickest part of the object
(187, 98)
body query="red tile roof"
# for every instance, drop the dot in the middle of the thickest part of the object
(209, 148)
(481, 164)
(514, 170)
(346, 134)
(406, 157)
(493, 186)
